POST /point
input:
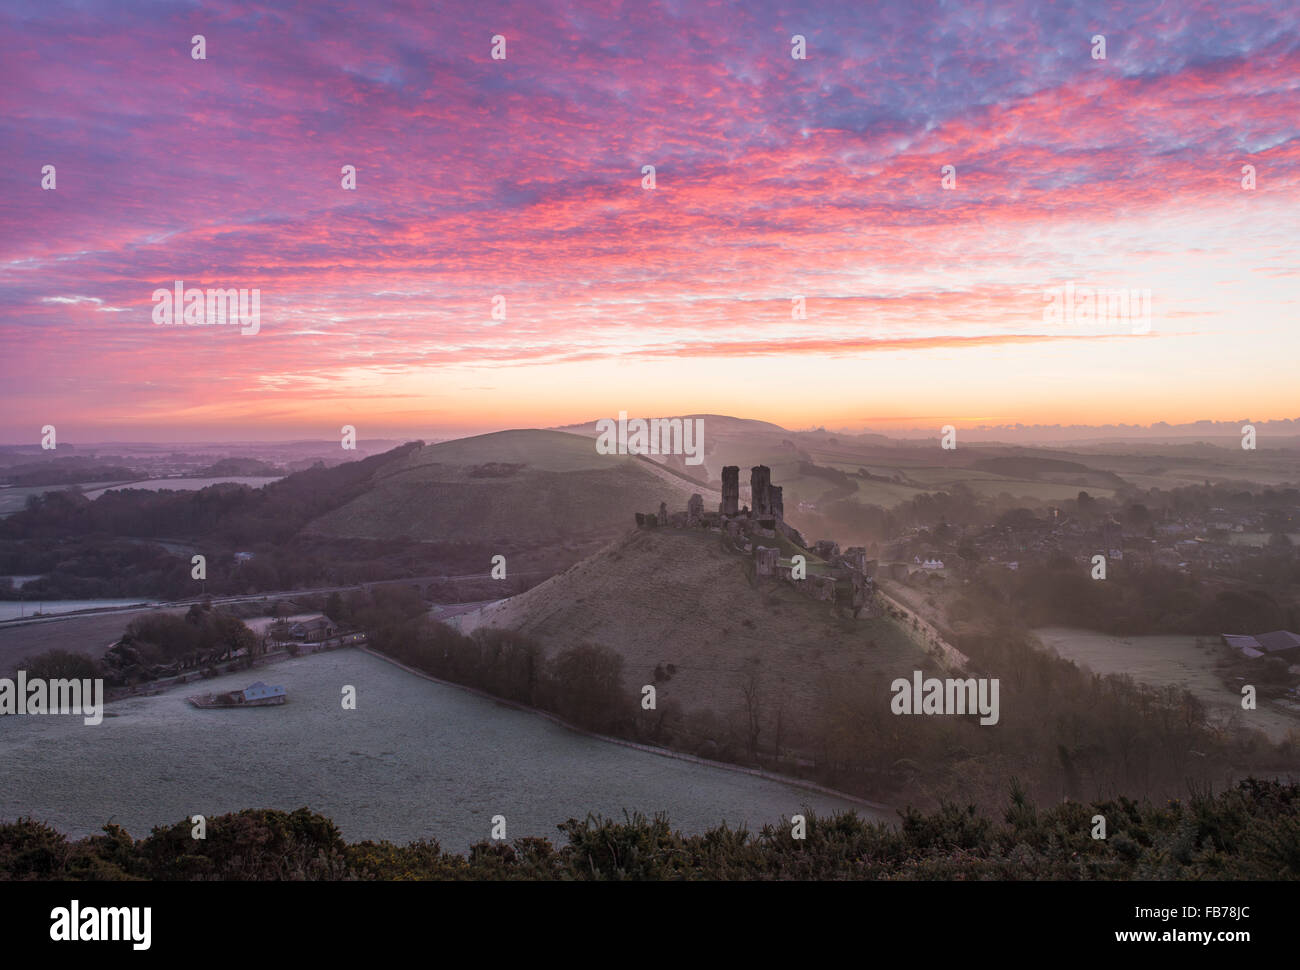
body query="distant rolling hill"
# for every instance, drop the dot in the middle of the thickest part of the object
(811, 466)
(676, 597)
(1036, 468)
(524, 487)
(714, 424)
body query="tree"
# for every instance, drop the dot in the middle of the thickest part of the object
(164, 637)
(586, 686)
(1137, 516)
(60, 665)
(230, 635)
(334, 607)
(751, 690)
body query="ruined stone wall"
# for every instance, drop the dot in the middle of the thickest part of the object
(760, 484)
(730, 489)
(695, 509)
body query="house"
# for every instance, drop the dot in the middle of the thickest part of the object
(260, 691)
(314, 630)
(1279, 643)
(932, 564)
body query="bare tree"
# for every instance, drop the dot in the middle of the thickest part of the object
(751, 690)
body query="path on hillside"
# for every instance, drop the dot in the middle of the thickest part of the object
(954, 657)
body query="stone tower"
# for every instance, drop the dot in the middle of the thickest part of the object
(760, 484)
(730, 489)
(774, 495)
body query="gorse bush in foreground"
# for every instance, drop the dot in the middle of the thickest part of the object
(1249, 832)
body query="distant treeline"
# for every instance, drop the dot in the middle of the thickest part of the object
(103, 567)
(228, 513)
(1251, 832)
(245, 467)
(582, 684)
(67, 471)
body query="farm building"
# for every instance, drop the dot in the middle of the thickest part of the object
(1279, 643)
(314, 630)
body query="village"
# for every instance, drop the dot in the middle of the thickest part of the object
(1222, 550)
(1220, 541)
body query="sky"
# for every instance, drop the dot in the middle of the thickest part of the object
(522, 178)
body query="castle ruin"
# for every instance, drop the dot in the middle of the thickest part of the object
(841, 579)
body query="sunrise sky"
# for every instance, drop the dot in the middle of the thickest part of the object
(522, 177)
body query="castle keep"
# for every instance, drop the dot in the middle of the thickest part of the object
(842, 579)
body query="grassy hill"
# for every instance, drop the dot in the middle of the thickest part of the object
(666, 596)
(517, 487)
(714, 424)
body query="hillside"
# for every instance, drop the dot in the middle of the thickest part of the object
(676, 597)
(714, 424)
(516, 487)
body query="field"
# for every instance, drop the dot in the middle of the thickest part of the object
(1183, 661)
(14, 498)
(184, 484)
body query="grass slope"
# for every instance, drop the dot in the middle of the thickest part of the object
(676, 597)
(516, 487)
